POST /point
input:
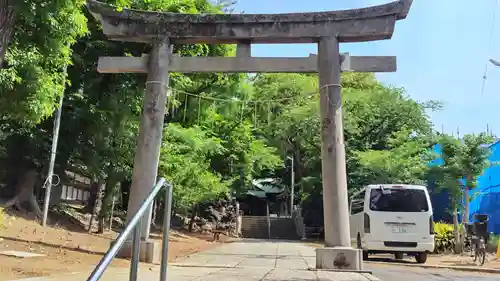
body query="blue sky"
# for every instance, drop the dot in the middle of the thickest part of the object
(442, 48)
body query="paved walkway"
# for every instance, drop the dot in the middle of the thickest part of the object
(249, 260)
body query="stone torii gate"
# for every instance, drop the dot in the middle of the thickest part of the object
(327, 29)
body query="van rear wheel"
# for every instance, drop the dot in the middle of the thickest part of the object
(421, 257)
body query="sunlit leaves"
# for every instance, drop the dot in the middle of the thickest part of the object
(464, 160)
(185, 161)
(32, 79)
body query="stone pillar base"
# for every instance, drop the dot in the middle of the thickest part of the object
(339, 258)
(150, 251)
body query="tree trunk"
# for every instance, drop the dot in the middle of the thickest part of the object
(7, 20)
(98, 206)
(125, 190)
(94, 186)
(93, 190)
(193, 215)
(25, 194)
(456, 230)
(107, 201)
(111, 215)
(100, 228)
(466, 203)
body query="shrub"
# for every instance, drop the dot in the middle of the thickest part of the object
(493, 242)
(444, 238)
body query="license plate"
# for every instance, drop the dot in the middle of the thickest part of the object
(399, 229)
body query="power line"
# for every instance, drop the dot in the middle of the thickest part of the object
(490, 43)
(234, 99)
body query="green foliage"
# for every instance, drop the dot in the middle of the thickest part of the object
(444, 238)
(462, 159)
(32, 77)
(185, 160)
(474, 157)
(463, 162)
(209, 147)
(403, 162)
(381, 125)
(493, 242)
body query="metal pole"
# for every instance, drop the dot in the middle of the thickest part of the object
(166, 231)
(136, 252)
(120, 240)
(53, 151)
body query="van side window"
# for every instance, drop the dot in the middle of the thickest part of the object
(358, 203)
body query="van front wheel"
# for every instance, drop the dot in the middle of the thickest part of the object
(421, 257)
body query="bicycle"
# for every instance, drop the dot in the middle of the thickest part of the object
(479, 250)
(477, 236)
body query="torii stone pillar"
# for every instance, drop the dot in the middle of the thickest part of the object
(328, 29)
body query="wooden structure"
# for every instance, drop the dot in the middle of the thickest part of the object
(328, 29)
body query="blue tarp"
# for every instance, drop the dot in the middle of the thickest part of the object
(485, 197)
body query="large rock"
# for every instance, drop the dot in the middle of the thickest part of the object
(221, 214)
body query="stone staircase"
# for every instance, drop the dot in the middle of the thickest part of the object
(281, 228)
(254, 227)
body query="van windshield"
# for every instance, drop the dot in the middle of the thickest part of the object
(398, 200)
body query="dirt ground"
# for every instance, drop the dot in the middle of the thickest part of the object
(69, 248)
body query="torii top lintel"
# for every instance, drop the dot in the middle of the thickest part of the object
(355, 25)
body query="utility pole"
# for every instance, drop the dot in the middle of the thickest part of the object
(292, 185)
(53, 151)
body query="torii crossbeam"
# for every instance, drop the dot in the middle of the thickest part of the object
(327, 29)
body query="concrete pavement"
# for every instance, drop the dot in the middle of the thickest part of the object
(390, 272)
(266, 260)
(252, 260)
(247, 260)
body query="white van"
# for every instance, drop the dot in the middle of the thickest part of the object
(392, 218)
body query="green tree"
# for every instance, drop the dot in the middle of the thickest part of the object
(379, 123)
(35, 48)
(403, 162)
(463, 161)
(114, 100)
(185, 160)
(100, 112)
(474, 159)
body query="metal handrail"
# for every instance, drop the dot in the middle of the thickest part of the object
(135, 225)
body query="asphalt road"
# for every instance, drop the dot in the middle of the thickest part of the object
(400, 273)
